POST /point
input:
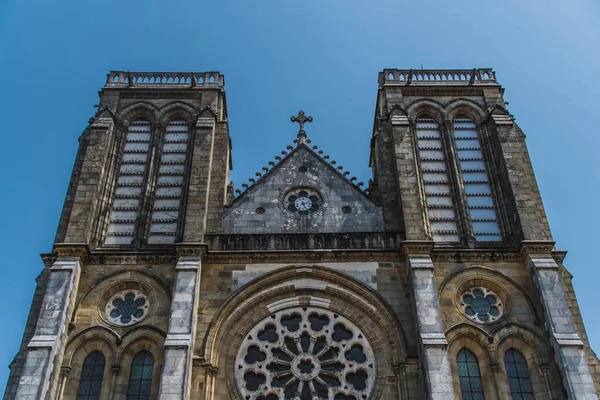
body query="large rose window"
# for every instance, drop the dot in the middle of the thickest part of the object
(305, 354)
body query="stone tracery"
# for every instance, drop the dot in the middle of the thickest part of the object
(305, 353)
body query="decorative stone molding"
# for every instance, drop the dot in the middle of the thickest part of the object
(304, 241)
(301, 256)
(78, 250)
(191, 249)
(132, 259)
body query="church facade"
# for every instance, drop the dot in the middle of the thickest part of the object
(436, 280)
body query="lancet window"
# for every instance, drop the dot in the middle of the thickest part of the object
(480, 203)
(438, 193)
(169, 186)
(518, 375)
(92, 373)
(469, 376)
(131, 179)
(140, 380)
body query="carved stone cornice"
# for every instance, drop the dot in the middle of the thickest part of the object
(304, 241)
(48, 258)
(137, 258)
(78, 250)
(300, 257)
(191, 249)
(413, 247)
(559, 256)
(475, 255)
(535, 247)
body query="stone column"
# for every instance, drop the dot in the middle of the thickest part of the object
(176, 376)
(568, 347)
(433, 346)
(45, 350)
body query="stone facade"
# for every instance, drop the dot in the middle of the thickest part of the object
(304, 285)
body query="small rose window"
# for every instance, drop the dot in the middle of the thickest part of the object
(127, 307)
(481, 305)
(303, 201)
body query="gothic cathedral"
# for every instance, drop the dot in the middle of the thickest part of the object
(437, 280)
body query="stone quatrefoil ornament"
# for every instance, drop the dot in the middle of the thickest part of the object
(305, 354)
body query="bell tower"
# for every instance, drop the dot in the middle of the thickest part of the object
(457, 170)
(150, 179)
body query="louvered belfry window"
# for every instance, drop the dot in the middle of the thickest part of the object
(169, 187)
(130, 184)
(440, 208)
(480, 203)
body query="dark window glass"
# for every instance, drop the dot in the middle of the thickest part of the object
(518, 375)
(469, 376)
(140, 381)
(92, 373)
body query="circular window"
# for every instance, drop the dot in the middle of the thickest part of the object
(305, 354)
(303, 201)
(127, 307)
(481, 305)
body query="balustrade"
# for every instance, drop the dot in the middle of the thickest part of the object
(428, 76)
(164, 79)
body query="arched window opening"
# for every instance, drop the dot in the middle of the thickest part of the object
(475, 180)
(92, 373)
(140, 380)
(130, 184)
(469, 376)
(169, 187)
(440, 208)
(518, 375)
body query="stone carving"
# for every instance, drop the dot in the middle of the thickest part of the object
(301, 119)
(305, 353)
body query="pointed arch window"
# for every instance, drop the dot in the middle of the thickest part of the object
(518, 375)
(130, 184)
(480, 203)
(169, 186)
(434, 170)
(92, 373)
(140, 380)
(469, 375)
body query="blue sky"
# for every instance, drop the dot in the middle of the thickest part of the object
(278, 57)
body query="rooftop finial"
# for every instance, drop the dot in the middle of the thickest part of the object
(301, 119)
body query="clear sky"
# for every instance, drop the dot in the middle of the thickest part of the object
(278, 57)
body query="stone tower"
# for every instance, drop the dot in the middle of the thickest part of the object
(439, 280)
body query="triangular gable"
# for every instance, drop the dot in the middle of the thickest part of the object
(264, 207)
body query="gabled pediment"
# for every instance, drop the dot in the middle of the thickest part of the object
(302, 192)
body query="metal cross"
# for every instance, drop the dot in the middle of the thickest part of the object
(301, 119)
